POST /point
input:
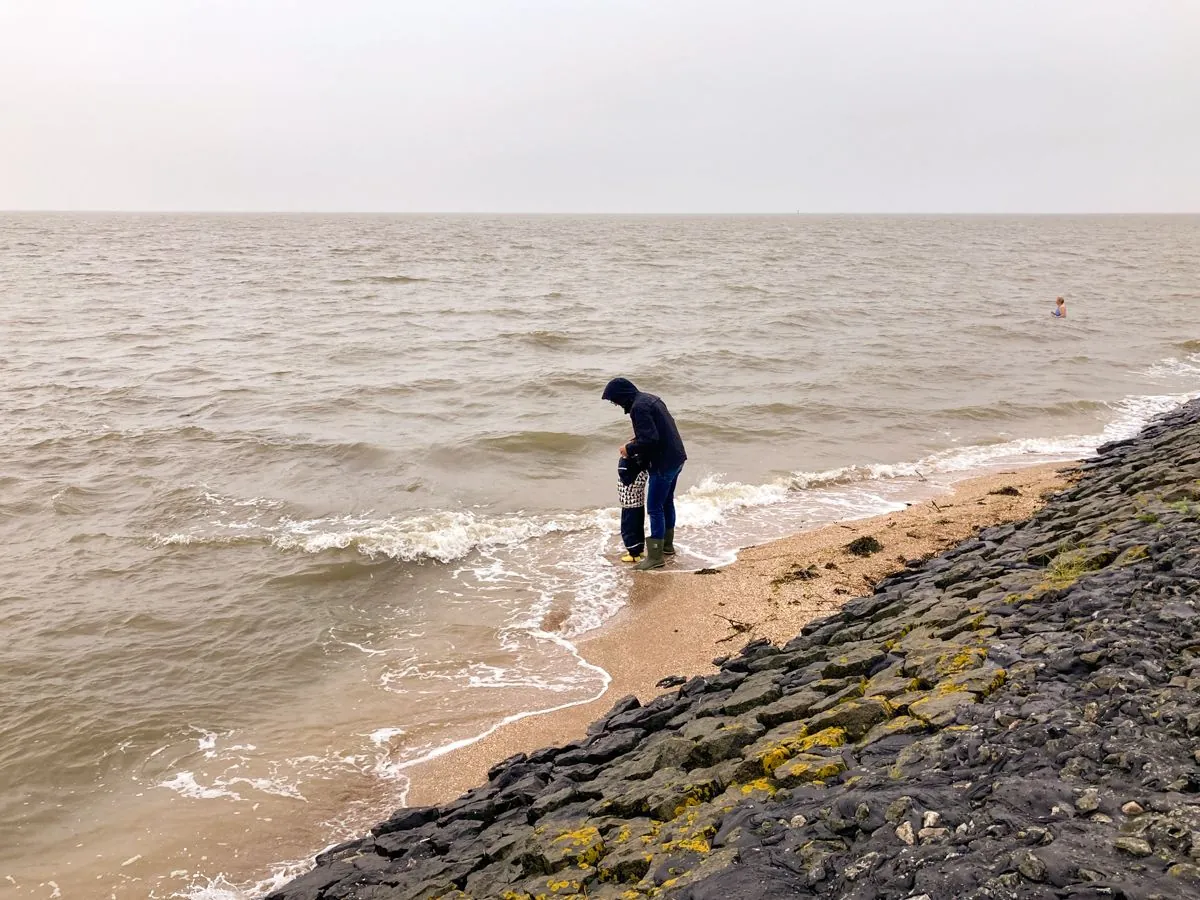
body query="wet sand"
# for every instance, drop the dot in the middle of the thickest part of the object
(677, 622)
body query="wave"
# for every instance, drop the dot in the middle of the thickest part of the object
(448, 535)
(571, 382)
(443, 536)
(540, 338)
(712, 500)
(158, 440)
(1174, 367)
(1132, 414)
(1007, 410)
(731, 431)
(544, 442)
(381, 279)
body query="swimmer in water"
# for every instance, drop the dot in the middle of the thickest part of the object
(1060, 309)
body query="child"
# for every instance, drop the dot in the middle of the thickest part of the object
(1060, 309)
(631, 492)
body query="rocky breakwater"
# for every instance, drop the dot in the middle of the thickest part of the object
(1018, 717)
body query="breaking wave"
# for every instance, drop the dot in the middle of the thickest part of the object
(1131, 414)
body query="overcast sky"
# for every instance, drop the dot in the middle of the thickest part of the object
(601, 105)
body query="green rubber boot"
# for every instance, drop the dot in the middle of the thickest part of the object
(654, 555)
(669, 542)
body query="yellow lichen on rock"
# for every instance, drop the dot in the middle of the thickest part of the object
(758, 785)
(780, 753)
(899, 725)
(828, 737)
(586, 845)
(961, 661)
(807, 767)
(696, 844)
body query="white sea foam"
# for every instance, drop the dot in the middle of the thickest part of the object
(279, 787)
(1130, 416)
(383, 736)
(1172, 367)
(219, 887)
(443, 536)
(712, 500)
(185, 784)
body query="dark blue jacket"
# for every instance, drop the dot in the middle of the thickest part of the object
(655, 438)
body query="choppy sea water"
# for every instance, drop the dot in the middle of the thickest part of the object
(292, 502)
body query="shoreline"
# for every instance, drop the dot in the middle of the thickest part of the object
(1023, 703)
(676, 622)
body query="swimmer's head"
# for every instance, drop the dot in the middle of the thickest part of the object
(1060, 301)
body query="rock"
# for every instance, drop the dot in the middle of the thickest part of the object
(551, 850)
(626, 863)
(757, 690)
(904, 831)
(1186, 872)
(856, 717)
(941, 709)
(808, 767)
(506, 764)
(897, 810)
(1133, 846)
(900, 725)
(1132, 808)
(548, 803)
(670, 681)
(1089, 801)
(861, 867)
(1030, 866)
(724, 743)
(603, 747)
(406, 819)
(889, 683)
(855, 661)
(624, 705)
(789, 708)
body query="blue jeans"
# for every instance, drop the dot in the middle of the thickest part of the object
(660, 500)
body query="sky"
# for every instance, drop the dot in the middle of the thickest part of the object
(604, 106)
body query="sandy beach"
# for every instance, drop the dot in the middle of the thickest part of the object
(676, 623)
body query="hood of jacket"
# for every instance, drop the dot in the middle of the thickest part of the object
(622, 392)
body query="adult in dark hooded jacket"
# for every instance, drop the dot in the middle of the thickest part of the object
(655, 440)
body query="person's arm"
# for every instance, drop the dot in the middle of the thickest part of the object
(645, 433)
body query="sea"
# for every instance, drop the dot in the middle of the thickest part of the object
(290, 503)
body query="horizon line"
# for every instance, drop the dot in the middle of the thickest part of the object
(356, 212)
